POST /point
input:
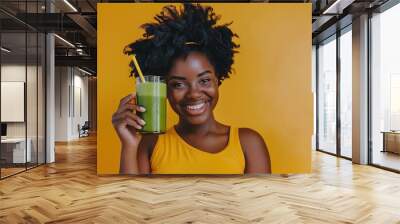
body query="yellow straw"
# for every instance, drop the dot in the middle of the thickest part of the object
(138, 68)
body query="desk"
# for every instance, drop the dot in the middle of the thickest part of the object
(391, 141)
(13, 150)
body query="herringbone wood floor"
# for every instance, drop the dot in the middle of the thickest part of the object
(69, 191)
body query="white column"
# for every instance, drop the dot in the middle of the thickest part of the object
(50, 93)
(360, 90)
(50, 100)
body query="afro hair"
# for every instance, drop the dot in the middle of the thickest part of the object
(176, 33)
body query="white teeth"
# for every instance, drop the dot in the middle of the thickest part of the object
(195, 107)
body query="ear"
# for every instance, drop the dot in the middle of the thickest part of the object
(216, 80)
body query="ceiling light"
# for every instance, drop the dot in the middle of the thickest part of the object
(65, 41)
(331, 7)
(84, 71)
(70, 5)
(337, 7)
(5, 50)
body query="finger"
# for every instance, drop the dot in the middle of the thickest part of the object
(132, 100)
(122, 120)
(126, 107)
(119, 118)
(135, 118)
(130, 107)
(133, 123)
(140, 108)
(128, 98)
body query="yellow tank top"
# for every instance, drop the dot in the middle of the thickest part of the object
(172, 155)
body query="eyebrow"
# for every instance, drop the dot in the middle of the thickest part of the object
(183, 78)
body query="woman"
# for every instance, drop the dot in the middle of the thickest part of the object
(195, 55)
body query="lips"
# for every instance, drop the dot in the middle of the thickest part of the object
(196, 108)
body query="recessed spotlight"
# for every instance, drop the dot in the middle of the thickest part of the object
(84, 71)
(5, 50)
(70, 5)
(64, 40)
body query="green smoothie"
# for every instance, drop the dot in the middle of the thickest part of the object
(153, 97)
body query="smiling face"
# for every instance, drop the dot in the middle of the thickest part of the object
(193, 88)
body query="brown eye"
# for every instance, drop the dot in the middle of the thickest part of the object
(177, 85)
(205, 81)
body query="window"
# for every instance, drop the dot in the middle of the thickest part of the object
(333, 137)
(346, 93)
(327, 96)
(385, 88)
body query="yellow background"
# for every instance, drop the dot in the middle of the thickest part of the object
(270, 90)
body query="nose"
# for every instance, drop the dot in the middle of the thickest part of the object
(194, 92)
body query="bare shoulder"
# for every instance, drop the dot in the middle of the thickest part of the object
(255, 151)
(148, 142)
(145, 150)
(251, 140)
(248, 134)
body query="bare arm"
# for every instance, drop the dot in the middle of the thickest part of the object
(128, 164)
(146, 147)
(126, 123)
(255, 151)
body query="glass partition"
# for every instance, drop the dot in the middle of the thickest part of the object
(22, 77)
(327, 95)
(14, 154)
(346, 93)
(385, 89)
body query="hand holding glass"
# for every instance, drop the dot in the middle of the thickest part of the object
(152, 95)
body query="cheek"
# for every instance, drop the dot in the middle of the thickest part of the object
(216, 89)
(216, 96)
(214, 93)
(174, 97)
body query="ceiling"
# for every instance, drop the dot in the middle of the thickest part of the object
(76, 22)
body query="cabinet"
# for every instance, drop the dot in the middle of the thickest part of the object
(13, 150)
(391, 142)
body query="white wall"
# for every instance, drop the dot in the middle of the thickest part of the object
(16, 73)
(34, 125)
(61, 103)
(71, 94)
(80, 110)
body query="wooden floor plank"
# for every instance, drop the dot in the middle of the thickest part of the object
(69, 191)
